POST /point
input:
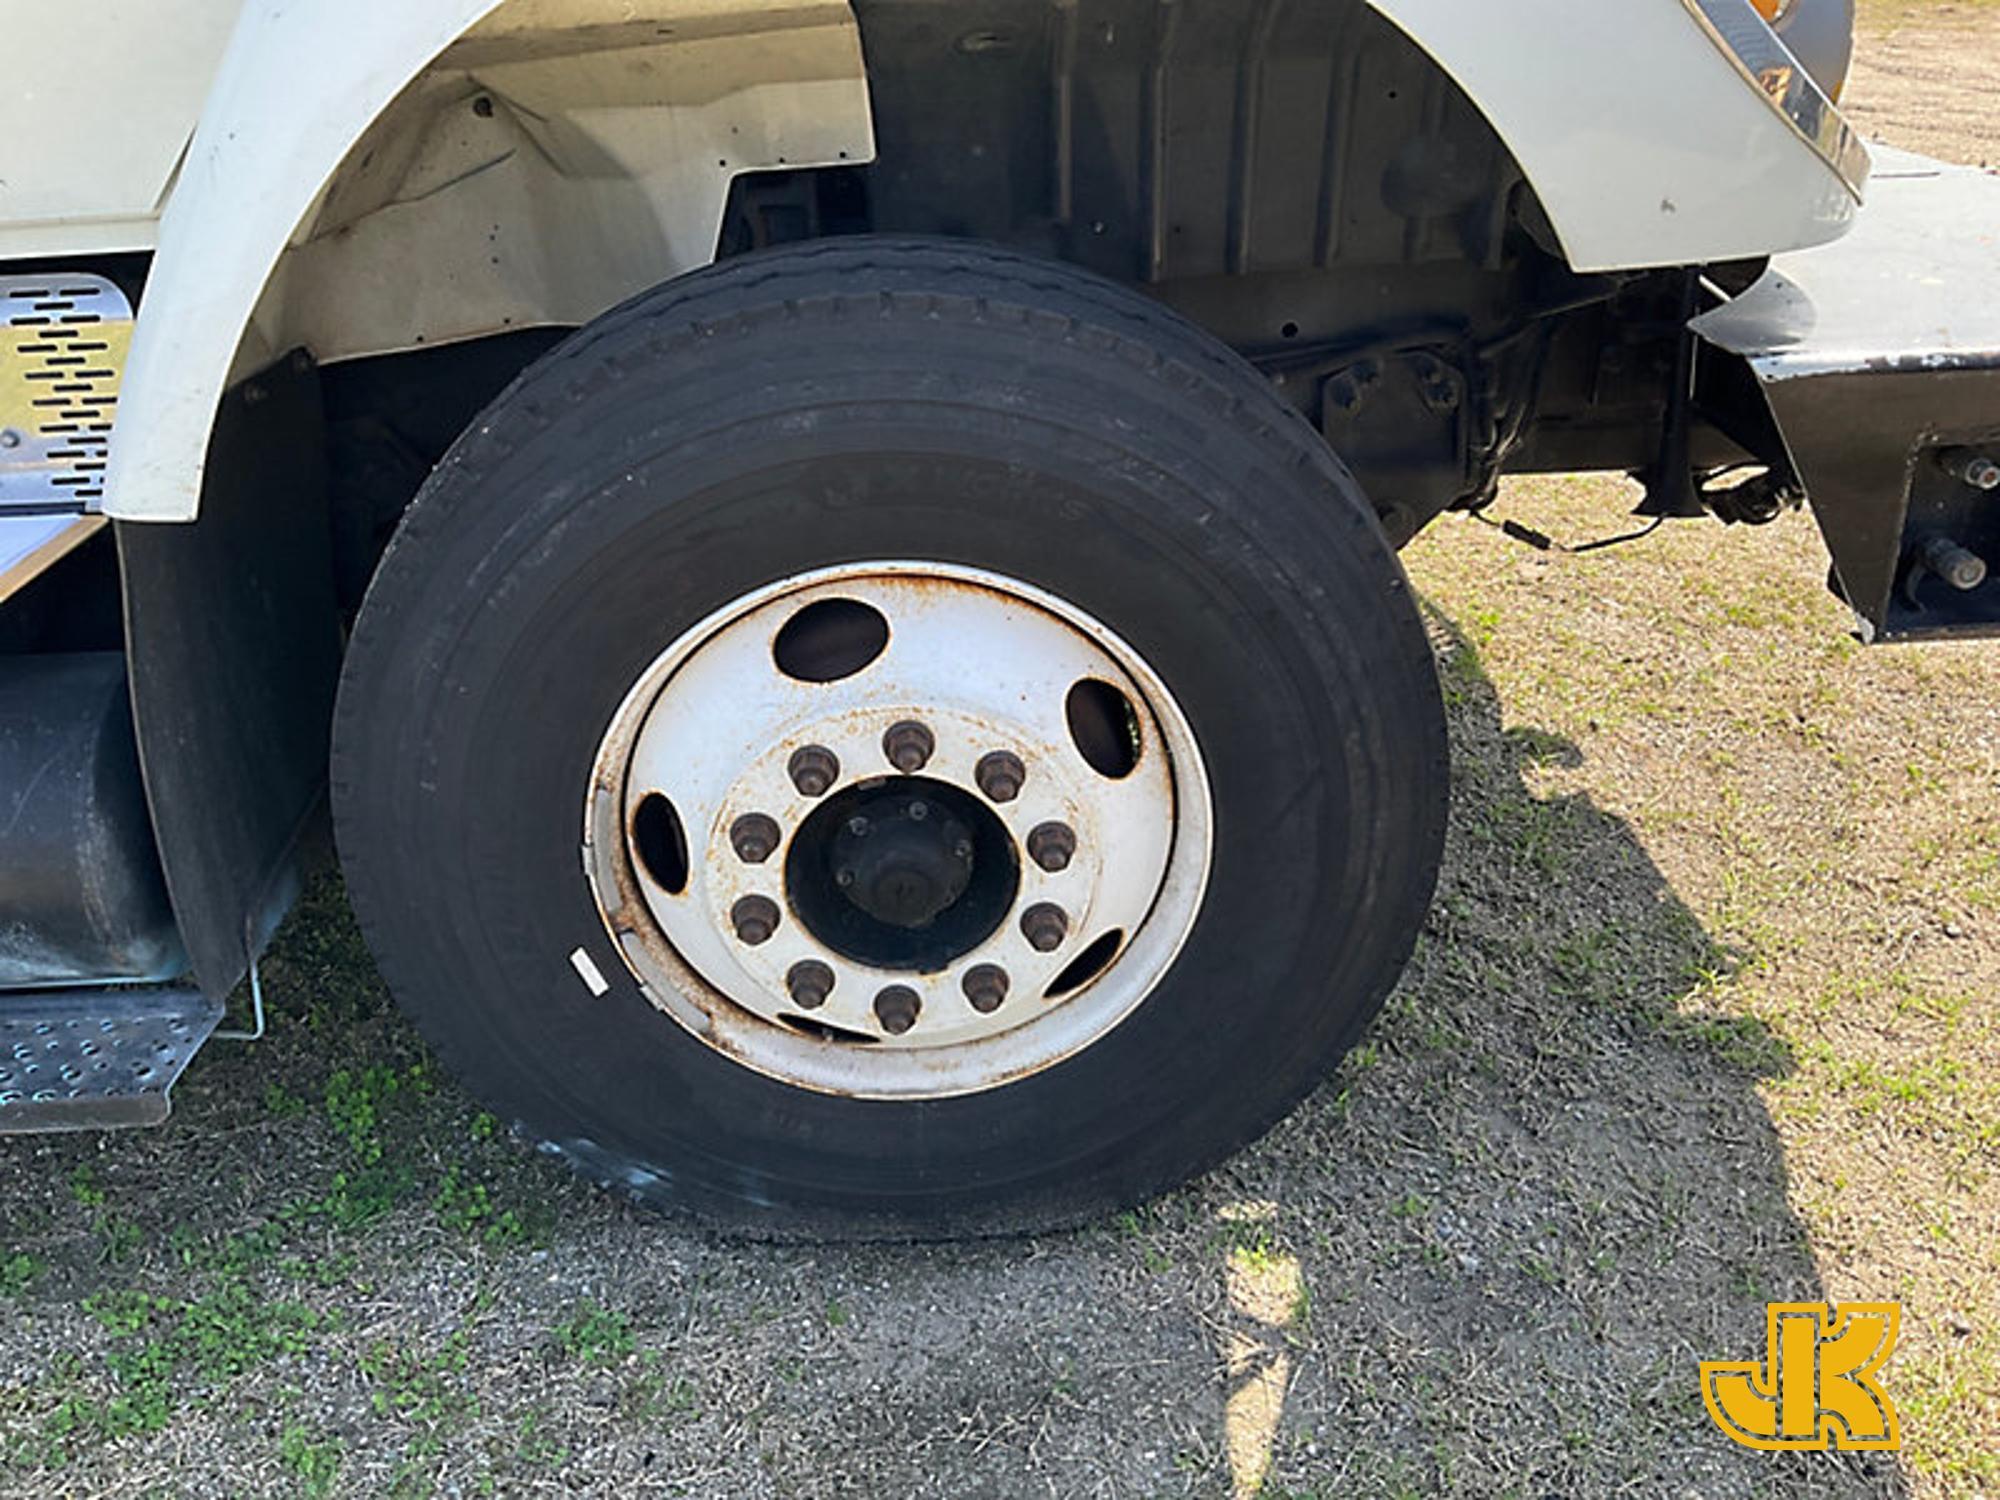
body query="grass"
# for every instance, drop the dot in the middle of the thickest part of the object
(314, 1464)
(596, 1335)
(1836, 847)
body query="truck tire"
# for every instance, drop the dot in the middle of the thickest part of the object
(890, 739)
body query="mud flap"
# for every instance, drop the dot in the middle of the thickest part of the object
(1880, 359)
(233, 636)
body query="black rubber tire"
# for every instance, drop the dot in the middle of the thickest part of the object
(867, 399)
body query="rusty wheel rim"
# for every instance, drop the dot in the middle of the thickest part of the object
(898, 830)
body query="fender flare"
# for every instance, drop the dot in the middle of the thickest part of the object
(254, 129)
(270, 140)
(1646, 142)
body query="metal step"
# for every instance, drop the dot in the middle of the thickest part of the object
(63, 341)
(96, 1059)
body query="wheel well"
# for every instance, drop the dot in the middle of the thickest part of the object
(535, 176)
(555, 161)
(1306, 182)
(1236, 158)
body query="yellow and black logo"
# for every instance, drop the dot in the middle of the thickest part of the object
(1817, 1386)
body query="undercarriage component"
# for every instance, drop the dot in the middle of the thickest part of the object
(1942, 558)
(1754, 501)
(96, 1059)
(1880, 358)
(79, 881)
(1405, 422)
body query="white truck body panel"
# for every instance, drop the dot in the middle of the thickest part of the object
(1647, 144)
(101, 99)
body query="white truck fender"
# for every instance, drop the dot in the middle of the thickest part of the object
(1647, 142)
(297, 86)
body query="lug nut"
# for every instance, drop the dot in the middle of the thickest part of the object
(754, 837)
(985, 985)
(809, 982)
(1044, 926)
(813, 769)
(1000, 776)
(909, 746)
(1052, 846)
(755, 918)
(896, 1008)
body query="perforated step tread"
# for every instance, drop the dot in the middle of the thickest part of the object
(63, 342)
(96, 1059)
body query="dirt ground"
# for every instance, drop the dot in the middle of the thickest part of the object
(1707, 1015)
(1924, 77)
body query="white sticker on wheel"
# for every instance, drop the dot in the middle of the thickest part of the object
(587, 970)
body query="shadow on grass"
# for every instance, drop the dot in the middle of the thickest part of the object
(1485, 1259)
(1490, 1255)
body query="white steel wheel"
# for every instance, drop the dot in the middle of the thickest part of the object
(890, 739)
(899, 830)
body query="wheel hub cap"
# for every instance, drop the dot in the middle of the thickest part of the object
(908, 873)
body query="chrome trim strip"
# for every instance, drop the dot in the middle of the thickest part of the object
(1770, 68)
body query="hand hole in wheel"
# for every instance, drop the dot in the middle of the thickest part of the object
(1105, 727)
(659, 842)
(829, 640)
(1086, 966)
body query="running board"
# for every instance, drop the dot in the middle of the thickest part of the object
(96, 1059)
